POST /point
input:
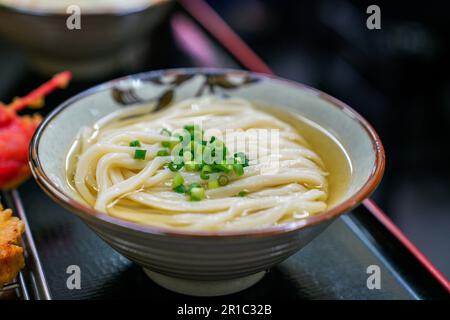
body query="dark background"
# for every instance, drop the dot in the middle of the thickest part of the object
(396, 77)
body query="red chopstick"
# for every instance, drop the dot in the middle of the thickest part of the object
(212, 22)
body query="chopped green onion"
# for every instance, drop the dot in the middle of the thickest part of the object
(177, 181)
(192, 127)
(223, 180)
(187, 156)
(197, 194)
(194, 132)
(180, 189)
(205, 170)
(241, 158)
(140, 154)
(194, 185)
(177, 135)
(197, 136)
(222, 167)
(135, 143)
(191, 166)
(204, 176)
(175, 167)
(208, 154)
(162, 153)
(166, 132)
(213, 184)
(238, 169)
(192, 146)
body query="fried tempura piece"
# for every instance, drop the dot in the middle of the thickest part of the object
(11, 251)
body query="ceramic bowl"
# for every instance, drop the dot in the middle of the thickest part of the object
(110, 37)
(204, 263)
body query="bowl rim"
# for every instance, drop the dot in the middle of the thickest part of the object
(91, 214)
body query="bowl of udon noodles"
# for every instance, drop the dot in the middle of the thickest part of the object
(206, 178)
(91, 38)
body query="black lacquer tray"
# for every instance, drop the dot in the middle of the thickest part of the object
(333, 266)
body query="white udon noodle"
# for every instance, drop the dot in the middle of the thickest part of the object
(108, 178)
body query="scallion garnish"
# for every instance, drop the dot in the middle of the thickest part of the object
(242, 194)
(238, 169)
(213, 184)
(205, 170)
(191, 166)
(197, 194)
(187, 156)
(166, 132)
(192, 186)
(174, 167)
(180, 189)
(139, 154)
(177, 181)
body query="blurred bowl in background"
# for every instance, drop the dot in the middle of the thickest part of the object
(112, 35)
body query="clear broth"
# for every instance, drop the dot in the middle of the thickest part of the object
(335, 158)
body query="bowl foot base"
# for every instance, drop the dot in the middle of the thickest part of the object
(204, 288)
